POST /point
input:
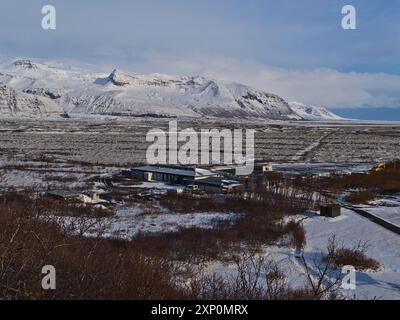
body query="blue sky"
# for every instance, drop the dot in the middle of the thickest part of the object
(293, 48)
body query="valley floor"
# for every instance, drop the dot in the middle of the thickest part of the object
(116, 142)
(77, 154)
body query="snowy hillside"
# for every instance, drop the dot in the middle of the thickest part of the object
(123, 94)
(18, 104)
(312, 112)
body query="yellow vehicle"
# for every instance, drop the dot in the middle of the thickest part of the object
(380, 167)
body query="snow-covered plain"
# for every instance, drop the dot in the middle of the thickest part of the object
(129, 222)
(115, 142)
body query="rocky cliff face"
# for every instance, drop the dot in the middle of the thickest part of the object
(13, 103)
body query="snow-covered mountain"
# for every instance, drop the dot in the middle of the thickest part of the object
(19, 104)
(120, 93)
(312, 112)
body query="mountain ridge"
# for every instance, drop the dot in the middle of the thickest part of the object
(120, 93)
(20, 104)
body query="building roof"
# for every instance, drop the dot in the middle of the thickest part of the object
(216, 181)
(178, 171)
(211, 181)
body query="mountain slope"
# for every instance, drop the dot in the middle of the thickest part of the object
(18, 104)
(119, 93)
(313, 113)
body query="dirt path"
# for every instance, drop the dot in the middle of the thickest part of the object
(303, 155)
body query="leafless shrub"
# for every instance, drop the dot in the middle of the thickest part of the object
(354, 256)
(87, 268)
(297, 233)
(374, 182)
(323, 278)
(324, 275)
(258, 221)
(254, 277)
(208, 287)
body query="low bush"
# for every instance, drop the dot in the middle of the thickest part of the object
(297, 234)
(361, 197)
(354, 257)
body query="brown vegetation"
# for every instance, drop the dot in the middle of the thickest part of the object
(97, 268)
(297, 233)
(65, 179)
(355, 256)
(361, 197)
(258, 221)
(371, 184)
(87, 268)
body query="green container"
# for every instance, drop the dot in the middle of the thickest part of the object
(331, 211)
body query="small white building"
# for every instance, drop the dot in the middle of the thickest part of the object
(92, 195)
(264, 167)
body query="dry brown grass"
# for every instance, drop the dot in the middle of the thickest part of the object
(361, 197)
(62, 179)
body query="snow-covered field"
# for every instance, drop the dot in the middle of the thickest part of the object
(129, 222)
(349, 229)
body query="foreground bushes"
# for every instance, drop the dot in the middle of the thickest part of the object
(87, 268)
(149, 267)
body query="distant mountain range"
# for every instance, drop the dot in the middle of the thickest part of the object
(29, 89)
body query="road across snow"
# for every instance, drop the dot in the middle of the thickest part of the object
(387, 209)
